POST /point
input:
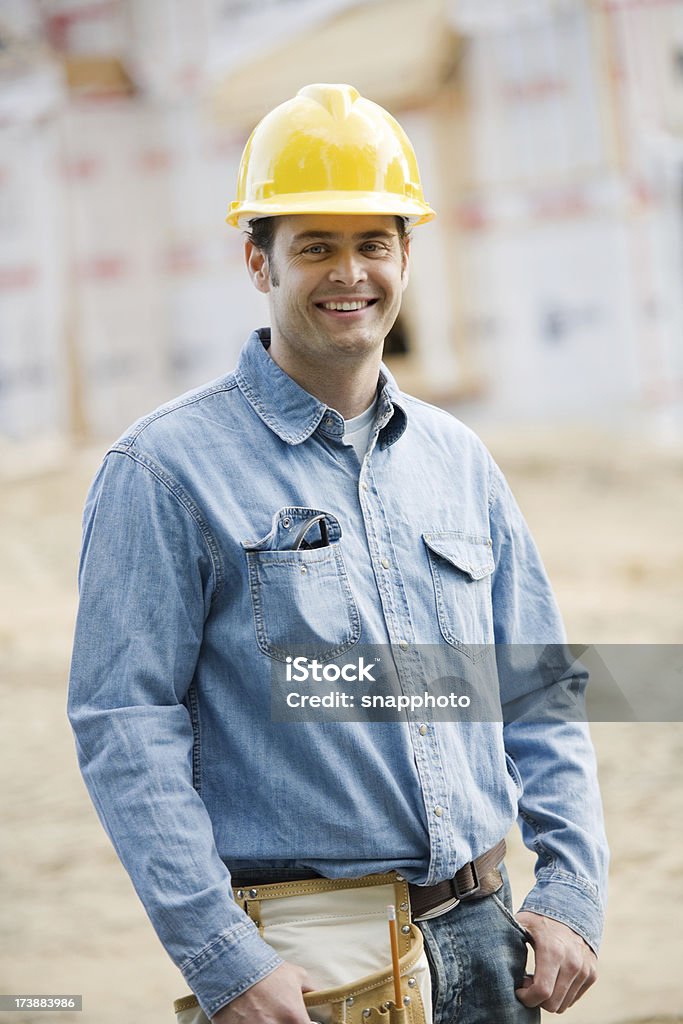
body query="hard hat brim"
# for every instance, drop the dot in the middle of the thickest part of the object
(344, 203)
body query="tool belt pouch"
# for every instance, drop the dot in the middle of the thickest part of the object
(338, 930)
(372, 998)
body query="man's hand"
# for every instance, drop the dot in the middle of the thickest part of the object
(276, 999)
(565, 965)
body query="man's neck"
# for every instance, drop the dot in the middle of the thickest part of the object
(349, 386)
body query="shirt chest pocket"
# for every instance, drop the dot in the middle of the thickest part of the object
(461, 567)
(301, 598)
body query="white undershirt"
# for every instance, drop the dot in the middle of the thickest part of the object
(357, 431)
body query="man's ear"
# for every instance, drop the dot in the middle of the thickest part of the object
(257, 265)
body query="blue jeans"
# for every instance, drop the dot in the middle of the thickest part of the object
(477, 954)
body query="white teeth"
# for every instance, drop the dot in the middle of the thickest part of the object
(345, 307)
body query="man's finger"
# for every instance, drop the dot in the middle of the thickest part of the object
(540, 987)
(580, 985)
(553, 977)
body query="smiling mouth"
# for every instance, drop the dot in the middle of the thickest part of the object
(350, 306)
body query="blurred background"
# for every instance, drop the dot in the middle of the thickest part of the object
(550, 139)
(545, 309)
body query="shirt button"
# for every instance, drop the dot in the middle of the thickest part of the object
(423, 730)
(438, 811)
(364, 486)
(328, 421)
(385, 563)
(403, 644)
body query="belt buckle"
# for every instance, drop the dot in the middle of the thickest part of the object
(458, 896)
(468, 893)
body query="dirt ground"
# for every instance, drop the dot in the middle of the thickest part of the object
(607, 516)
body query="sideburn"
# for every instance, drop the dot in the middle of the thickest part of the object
(272, 272)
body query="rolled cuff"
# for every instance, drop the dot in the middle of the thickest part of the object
(227, 967)
(571, 899)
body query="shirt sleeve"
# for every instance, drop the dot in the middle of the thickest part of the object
(545, 732)
(147, 575)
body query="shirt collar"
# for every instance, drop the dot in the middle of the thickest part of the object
(292, 413)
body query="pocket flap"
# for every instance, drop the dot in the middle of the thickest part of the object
(472, 555)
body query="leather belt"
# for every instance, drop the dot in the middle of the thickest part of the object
(473, 881)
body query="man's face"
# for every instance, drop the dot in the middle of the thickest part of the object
(334, 283)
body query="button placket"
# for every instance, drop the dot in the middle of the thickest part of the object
(399, 627)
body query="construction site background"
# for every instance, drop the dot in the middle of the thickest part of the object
(545, 309)
(549, 135)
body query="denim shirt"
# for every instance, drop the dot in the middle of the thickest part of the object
(181, 618)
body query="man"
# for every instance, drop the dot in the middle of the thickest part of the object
(304, 500)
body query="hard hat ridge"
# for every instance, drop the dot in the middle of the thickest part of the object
(328, 150)
(336, 99)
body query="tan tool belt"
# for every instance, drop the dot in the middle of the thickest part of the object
(337, 929)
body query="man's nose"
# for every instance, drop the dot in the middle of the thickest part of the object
(348, 268)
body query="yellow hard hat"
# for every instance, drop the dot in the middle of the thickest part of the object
(328, 150)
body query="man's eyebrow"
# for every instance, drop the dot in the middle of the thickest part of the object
(303, 236)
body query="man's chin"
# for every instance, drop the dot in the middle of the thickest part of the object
(354, 344)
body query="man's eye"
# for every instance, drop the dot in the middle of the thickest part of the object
(315, 250)
(374, 247)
